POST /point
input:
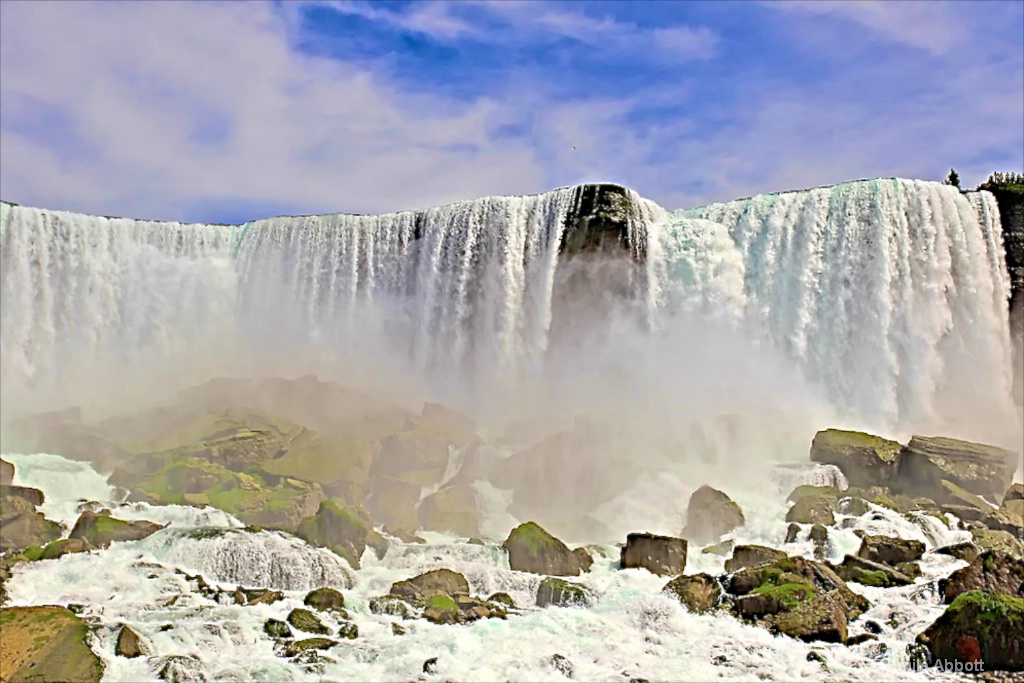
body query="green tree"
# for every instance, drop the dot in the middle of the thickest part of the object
(953, 178)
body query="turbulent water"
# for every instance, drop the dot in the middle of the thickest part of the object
(632, 631)
(887, 297)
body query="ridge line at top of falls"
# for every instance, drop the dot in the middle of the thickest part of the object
(311, 215)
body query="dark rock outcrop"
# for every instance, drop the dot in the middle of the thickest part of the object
(663, 555)
(437, 581)
(532, 549)
(709, 515)
(978, 468)
(129, 644)
(1008, 517)
(21, 525)
(700, 593)
(325, 599)
(981, 628)
(304, 620)
(864, 459)
(961, 551)
(1001, 541)
(277, 629)
(991, 572)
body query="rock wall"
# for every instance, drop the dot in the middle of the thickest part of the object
(1011, 214)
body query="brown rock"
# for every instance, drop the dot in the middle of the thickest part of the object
(700, 593)
(750, 555)
(991, 572)
(128, 644)
(889, 550)
(709, 515)
(662, 555)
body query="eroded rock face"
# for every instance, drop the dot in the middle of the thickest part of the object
(978, 468)
(1001, 541)
(700, 593)
(532, 549)
(980, 627)
(453, 509)
(709, 515)
(865, 460)
(991, 572)
(663, 555)
(1008, 517)
(46, 644)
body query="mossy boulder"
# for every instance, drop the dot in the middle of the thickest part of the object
(751, 555)
(561, 593)
(859, 570)
(441, 609)
(864, 459)
(391, 605)
(325, 599)
(21, 525)
(304, 620)
(1001, 541)
(961, 551)
(890, 550)
(392, 502)
(797, 570)
(532, 549)
(770, 598)
(452, 509)
(277, 629)
(662, 555)
(418, 588)
(700, 593)
(46, 644)
(100, 529)
(345, 530)
(983, 628)
(991, 572)
(65, 546)
(300, 646)
(821, 618)
(709, 515)
(1009, 517)
(980, 469)
(584, 559)
(341, 467)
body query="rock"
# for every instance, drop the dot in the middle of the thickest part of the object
(889, 550)
(502, 599)
(1003, 541)
(583, 558)
(792, 532)
(961, 551)
(912, 570)
(980, 469)
(663, 555)
(818, 535)
(33, 497)
(869, 573)
(1008, 517)
(419, 587)
(21, 526)
(325, 599)
(750, 555)
(1015, 492)
(300, 646)
(65, 546)
(397, 629)
(405, 536)
(128, 644)
(430, 666)
(304, 620)
(562, 593)
(562, 665)
(346, 531)
(531, 549)
(991, 572)
(46, 644)
(348, 631)
(100, 529)
(821, 618)
(861, 639)
(441, 609)
(813, 509)
(277, 629)
(700, 593)
(260, 596)
(709, 515)
(865, 460)
(982, 628)
(181, 669)
(723, 548)
(6, 473)
(391, 605)
(452, 509)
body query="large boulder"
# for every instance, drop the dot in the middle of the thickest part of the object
(46, 644)
(700, 593)
(346, 531)
(709, 515)
(864, 459)
(532, 549)
(304, 620)
(663, 555)
(1015, 492)
(870, 573)
(978, 468)
(100, 529)
(392, 502)
(442, 595)
(325, 599)
(962, 551)
(129, 644)
(418, 588)
(452, 509)
(561, 593)
(1001, 541)
(1008, 517)
(991, 572)
(21, 525)
(982, 628)
(750, 555)
(890, 550)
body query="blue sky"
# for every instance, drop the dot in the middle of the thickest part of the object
(226, 111)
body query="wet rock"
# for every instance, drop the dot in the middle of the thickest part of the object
(709, 515)
(562, 665)
(864, 459)
(1015, 492)
(430, 666)
(345, 530)
(181, 669)
(1008, 517)
(991, 572)
(531, 549)
(100, 529)
(6, 473)
(662, 555)
(982, 628)
(443, 581)
(868, 573)
(872, 626)
(405, 536)
(128, 644)
(583, 558)
(750, 555)
(392, 502)
(861, 639)
(561, 593)
(304, 620)
(348, 631)
(65, 546)
(1001, 541)
(978, 468)
(912, 570)
(299, 646)
(502, 599)
(724, 548)
(889, 550)
(312, 661)
(390, 605)
(21, 526)
(700, 593)
(792, 532)
(961, 551)
(325, 599)
(258, 596)
(818, 535)
(46, 644)
(813, 509)
(277, 629)
(397, 629)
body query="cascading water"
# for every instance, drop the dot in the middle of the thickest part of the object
(888, 295)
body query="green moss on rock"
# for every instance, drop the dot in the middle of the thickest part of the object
(43, 644)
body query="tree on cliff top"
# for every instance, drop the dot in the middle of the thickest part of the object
(1008, 182)
(953, 178)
